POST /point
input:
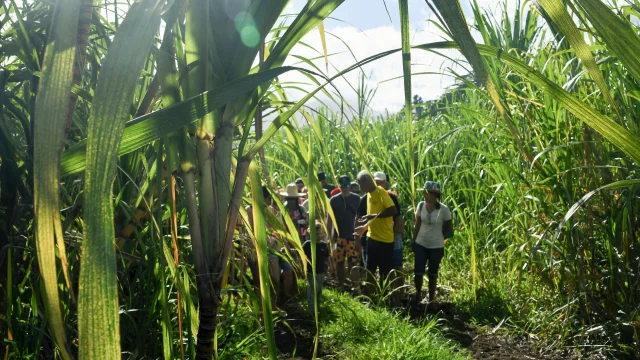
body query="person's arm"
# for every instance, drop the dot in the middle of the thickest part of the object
(389, 210)
(398, 224)
(360, 230)
(390, 207)
(362, 211)
(447, 226)
(416, 226)
(398, 220)
(447, 229)
(330, 227)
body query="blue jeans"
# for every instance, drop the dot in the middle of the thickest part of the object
(310, 290)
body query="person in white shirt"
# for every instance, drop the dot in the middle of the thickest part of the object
(433, 225)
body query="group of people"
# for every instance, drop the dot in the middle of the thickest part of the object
(364, 233)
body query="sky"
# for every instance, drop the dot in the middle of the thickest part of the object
(368, 29)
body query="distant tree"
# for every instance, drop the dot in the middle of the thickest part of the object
(417, 106)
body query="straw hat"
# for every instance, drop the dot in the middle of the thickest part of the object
(291, 191)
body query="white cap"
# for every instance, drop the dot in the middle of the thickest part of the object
(379, 176)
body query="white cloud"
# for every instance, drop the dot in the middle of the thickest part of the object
(374, 40)
(390, 94)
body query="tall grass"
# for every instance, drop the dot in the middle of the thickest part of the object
(214, 70)
(528, 246)
(354, 331)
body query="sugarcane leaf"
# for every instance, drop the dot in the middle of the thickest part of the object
(98, 322)
(558, 13)
(141, 131)
(617, 35)
(260, 233)
(313, 235)
(249, 31)
(310, 16)
(454, 18)
(284, 117)
(323, 41)
(611, 130)
(52, 107)
(27, 51)
(577, 205)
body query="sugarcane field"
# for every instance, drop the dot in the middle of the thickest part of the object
(320, 179)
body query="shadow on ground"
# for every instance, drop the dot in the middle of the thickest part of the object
(486, 341)
(296, 328)
(295, 332)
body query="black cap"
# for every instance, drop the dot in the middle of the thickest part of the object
(344, 181)
(322, 176)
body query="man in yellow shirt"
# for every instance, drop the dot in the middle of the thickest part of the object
(379, 222)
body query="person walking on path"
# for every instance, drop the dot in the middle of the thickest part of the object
(300, 185)
(364, 249)
(301, 221)
(275, 261)
(433, 225)
(302, 190)
(315, 284)
(322, 177)
(345, 207)
(379, 223)
(355, 188)
(398, 246)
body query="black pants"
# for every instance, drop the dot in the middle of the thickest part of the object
(380, 255)
(425, 256)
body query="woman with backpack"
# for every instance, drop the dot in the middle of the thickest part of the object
(433, 225)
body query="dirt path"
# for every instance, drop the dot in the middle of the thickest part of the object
(297, 336)
(482, 342)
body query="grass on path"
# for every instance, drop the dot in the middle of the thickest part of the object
(352, 330)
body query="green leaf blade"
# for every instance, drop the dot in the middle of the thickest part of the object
(260, 231)
(617, 35)
(98, 319)
(612, 131)
(52, 107)
(141, 131)
(559, 15)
